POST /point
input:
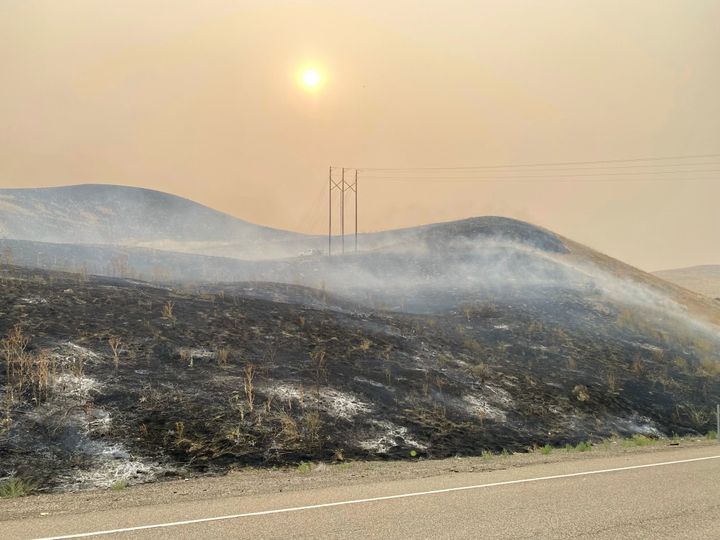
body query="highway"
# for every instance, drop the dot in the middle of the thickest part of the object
(672, 494)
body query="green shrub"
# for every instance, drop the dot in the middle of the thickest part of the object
(304, 467)
(712, 434)
(119, 485)
(642, 440)
(583, 446)
(15, 487)
(545, 450)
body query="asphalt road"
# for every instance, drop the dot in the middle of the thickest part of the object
(675, 494)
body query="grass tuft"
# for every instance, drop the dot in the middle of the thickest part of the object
(583, 446)
(14, 487)
(119, 485)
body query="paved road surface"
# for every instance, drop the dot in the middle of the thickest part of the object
(574, 499)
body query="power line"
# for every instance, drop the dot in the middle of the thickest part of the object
(553, 169)
(505, 173)
(513, 177)
(540, 164)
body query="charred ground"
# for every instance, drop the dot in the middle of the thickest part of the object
(256, 373)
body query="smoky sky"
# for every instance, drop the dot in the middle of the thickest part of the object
(201, 99)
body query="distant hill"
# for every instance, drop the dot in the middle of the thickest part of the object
(127, 216)
(704, 279)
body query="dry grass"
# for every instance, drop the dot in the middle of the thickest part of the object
(115, 344)
(222, 355)
(168, 311)
(25, 370)
(365, 345)
(249, 386)
(186, 357)
(289, 431)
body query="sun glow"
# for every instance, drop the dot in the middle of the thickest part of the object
(311, 78)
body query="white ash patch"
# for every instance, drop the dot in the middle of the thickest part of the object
(501, 327)
(388, 436)
(98, 421)
(284, 392)
(500, 396)
(648, 347)
(640, 425)
(554, 409)
(199, 354)
(72, 386)
(343, 404)
(339, 404)
(376, 384)
(32, 300)
(478, 406)
(113, 464)
(71, 352)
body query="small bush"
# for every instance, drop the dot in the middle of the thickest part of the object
(642, 440)
(712, 434)
(545, 450)
(481, 371)
(304, 467)
(583, 446)
(15, 487)
(486, 455)
(119, 485)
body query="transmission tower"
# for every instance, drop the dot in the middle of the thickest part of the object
(348, 182)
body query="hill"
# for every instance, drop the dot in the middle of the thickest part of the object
(704, 279)
(212, 376)
(135, 217)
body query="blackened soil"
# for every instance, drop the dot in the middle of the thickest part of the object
(307, 377)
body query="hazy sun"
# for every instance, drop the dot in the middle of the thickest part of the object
(311, 78)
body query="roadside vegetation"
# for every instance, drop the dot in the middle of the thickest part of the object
(13, 487)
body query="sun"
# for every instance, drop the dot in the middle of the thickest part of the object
(311, 78)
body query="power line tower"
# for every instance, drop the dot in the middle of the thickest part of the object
(348, 182)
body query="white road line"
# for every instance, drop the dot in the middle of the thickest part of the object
(371, 499)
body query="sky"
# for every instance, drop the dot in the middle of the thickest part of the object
(205, 100)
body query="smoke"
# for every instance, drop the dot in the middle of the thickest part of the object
(107, 230)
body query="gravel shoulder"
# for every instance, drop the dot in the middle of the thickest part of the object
(261, 481)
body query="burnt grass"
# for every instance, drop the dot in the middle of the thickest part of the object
(331, 379)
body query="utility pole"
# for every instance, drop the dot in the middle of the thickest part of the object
(342, 186)
(342, 209)
(355, 189)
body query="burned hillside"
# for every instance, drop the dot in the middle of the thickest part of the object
(109, 378)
